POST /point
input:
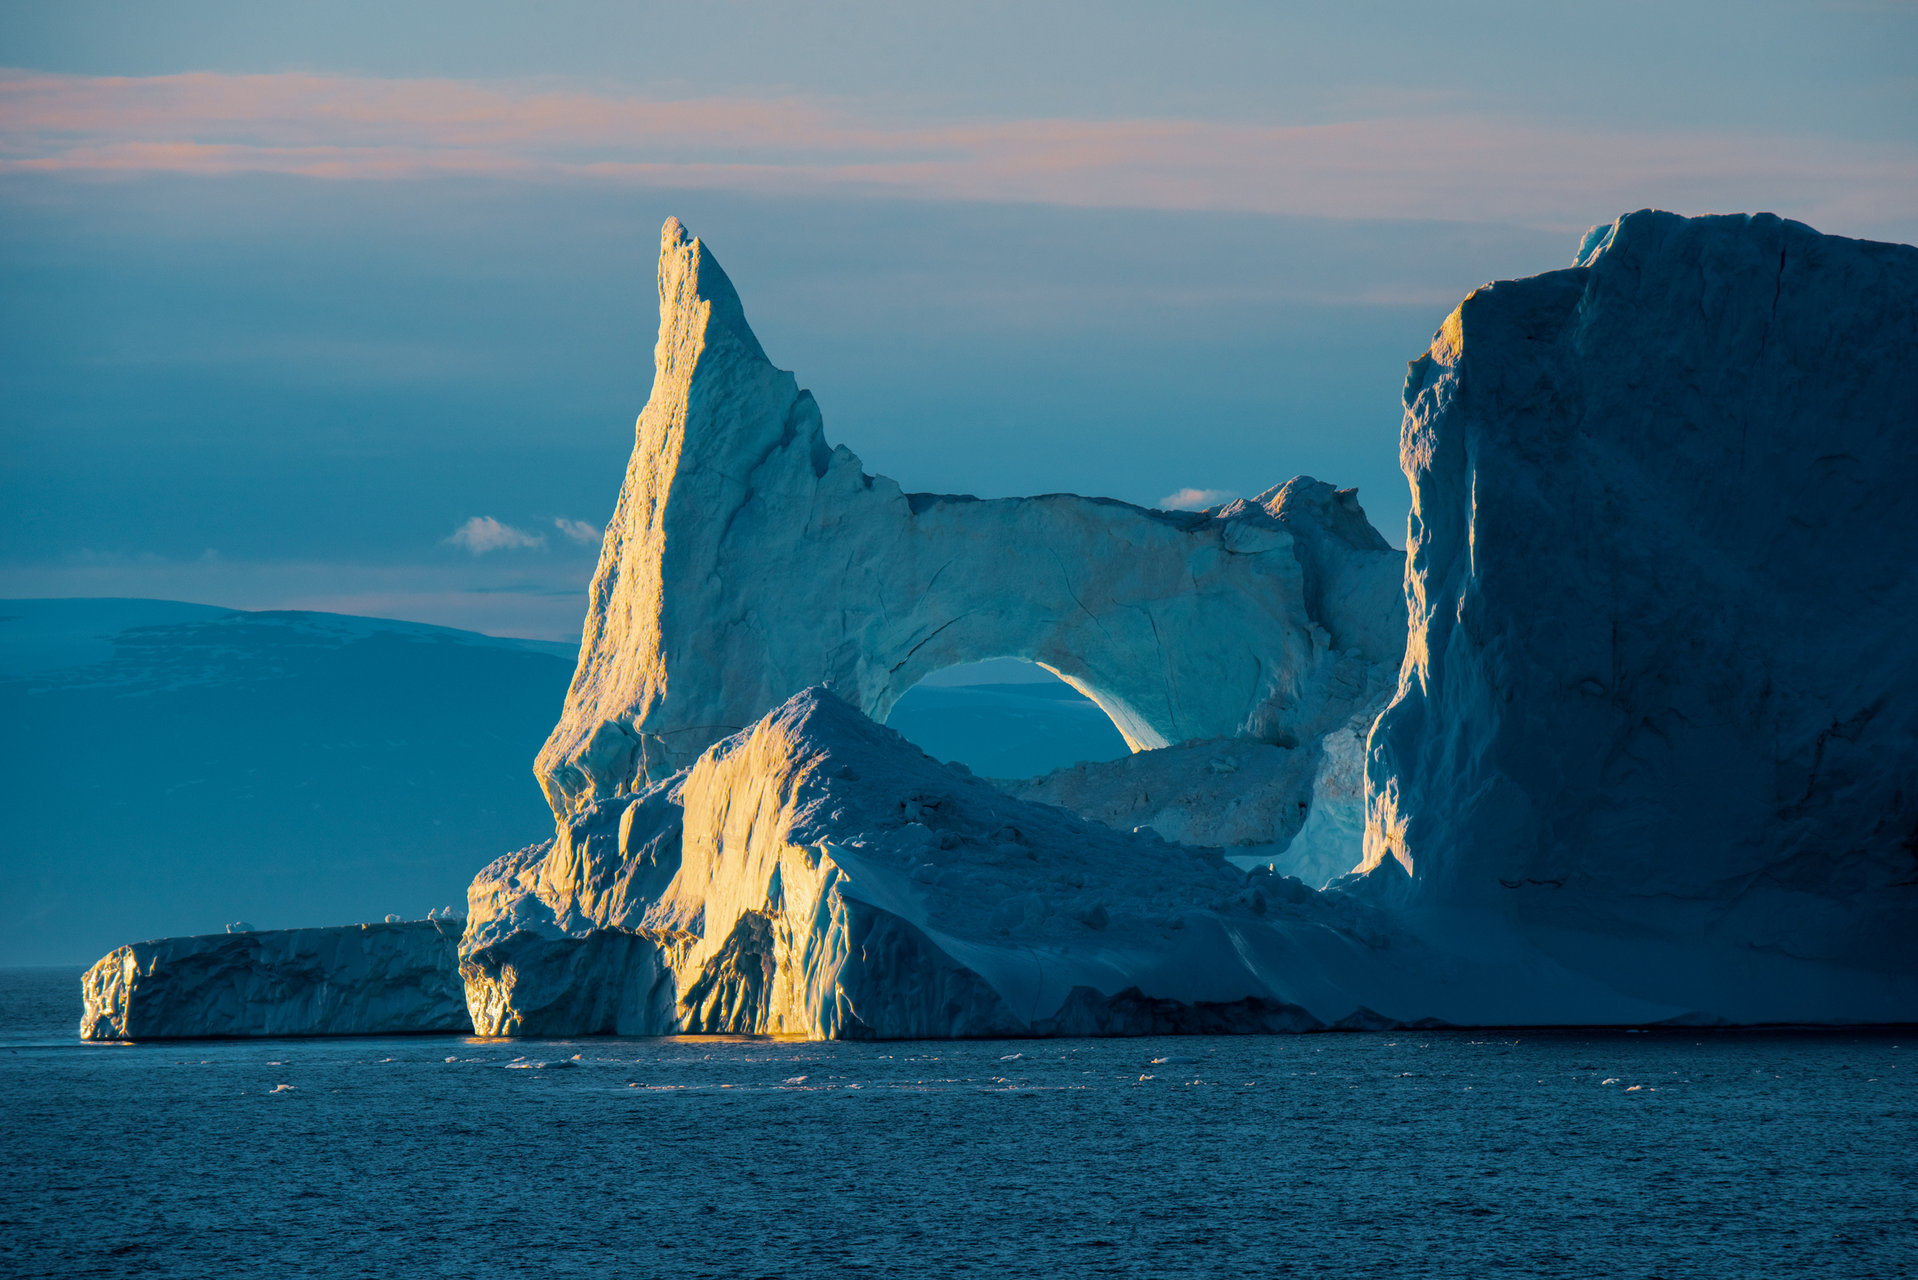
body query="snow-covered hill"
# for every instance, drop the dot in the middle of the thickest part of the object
(170, 768)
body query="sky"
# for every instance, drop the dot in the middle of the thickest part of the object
(351, 307)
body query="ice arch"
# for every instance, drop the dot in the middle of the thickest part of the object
(1005, 719)
(748, 559)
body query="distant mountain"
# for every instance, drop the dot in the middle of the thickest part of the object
(167, 768)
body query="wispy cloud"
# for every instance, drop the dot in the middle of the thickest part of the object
(1196, 499)
(1420, 163)
(579, 530)
(482, 534)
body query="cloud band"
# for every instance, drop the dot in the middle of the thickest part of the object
(1424, 165)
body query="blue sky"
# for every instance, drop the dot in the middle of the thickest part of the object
(293, 294)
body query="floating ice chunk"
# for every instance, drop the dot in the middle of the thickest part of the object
(1012, 1057)
(360, 979)
(794, 1080)
(1172, 1061)
(281, 1088)
(1609, 1080)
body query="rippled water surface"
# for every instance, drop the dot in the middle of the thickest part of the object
(1434, 1153)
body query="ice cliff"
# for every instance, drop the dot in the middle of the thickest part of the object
(363, 979)
(1659, 707)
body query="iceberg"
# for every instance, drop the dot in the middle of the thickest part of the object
(1625, 737)
(1624, 776)
(818, 875)
(1658, 709)
(363, 979)
(748, 559)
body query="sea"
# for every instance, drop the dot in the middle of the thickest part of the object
(1662, 1153)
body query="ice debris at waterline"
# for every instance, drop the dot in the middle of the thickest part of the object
(357, 979)
(1648, 758)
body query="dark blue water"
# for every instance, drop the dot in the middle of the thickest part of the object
(1434, 1154)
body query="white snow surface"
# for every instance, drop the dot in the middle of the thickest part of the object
(749, 559)
(1658, 706)
(362, 979)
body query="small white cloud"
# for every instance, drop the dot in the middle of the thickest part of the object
(483, 533)
(579, 530)
(1196, 499)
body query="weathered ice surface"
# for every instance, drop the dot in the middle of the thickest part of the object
(818, 875)
(1321, 850)
(1299, 810)
(555, 939)
(1225, 793)
(1659, 706)
(748, 559)
(363, 979)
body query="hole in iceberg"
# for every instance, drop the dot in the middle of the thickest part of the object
(1005, 718)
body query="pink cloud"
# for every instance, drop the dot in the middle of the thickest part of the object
(1420, 164)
